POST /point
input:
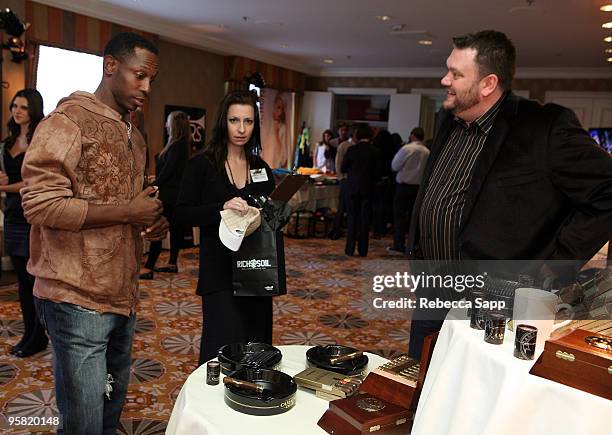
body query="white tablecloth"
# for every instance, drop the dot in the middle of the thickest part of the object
(200, 408)
(473, 387)
(313, 196)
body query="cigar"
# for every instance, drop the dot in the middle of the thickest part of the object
(245, 385)
(346, 357)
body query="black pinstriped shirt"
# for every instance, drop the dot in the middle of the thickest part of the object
(444, 197)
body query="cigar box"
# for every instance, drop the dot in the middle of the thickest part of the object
(326, 384)
(395, 381)
(581, 359)
(365, 414)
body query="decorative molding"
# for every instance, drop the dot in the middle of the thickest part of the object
(521, 73)
(362, 91)
(172, 32)
(382, 72)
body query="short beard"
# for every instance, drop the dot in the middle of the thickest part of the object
(466, 102)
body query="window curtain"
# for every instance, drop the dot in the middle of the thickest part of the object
(32, 48)
(71, 31)
(68, 30)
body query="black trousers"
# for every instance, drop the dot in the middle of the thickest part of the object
(231, 319)
(403, 203)
(177, 235)
(34, 336)
(337, 224)
(359, 218)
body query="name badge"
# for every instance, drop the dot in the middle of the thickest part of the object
(259, 175)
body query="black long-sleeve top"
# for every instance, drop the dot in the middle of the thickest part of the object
(169, 168)
(204, 190)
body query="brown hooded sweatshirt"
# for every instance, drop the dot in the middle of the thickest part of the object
(79, 156)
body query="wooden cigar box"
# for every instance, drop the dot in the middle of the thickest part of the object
(365, 414)
(580, 359)
(395, 381)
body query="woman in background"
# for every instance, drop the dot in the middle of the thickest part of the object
(222, 178)
(279, 124)
(169, 166)
(26, 112)
(324, 156)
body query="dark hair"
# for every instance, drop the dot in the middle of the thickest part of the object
(419, 133)
(329, 132)
(363, 131)
(397, 140)
(216, 149)
(122, 45)
(495, 54)
(35, 110)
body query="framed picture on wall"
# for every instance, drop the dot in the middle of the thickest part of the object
(197, 121)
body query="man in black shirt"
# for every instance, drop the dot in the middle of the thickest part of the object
(507, 178)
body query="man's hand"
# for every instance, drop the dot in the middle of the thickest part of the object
(4, 180)
(145, 210)
(157, 231)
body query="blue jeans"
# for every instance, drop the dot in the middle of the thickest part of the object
(91, 365)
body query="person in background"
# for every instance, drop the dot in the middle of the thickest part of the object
(342, 149)
(343, 135)
(223, 178)
(279, 124)
(382, 216)
(170, 164)
(84, 197)
(397, 142)
(362, 166)
(324, 154)
(507, 178)
(408, 163)
(26, 110)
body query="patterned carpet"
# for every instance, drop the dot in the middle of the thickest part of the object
(329, 301)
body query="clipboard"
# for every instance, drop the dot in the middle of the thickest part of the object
(287, 188)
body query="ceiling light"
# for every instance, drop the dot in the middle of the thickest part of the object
(609, 59)
(383, 17)
(608, 50)
(284, 46)
(607, 25)
(606, 8)
(608, 39)
(328, 61)
(425, 42)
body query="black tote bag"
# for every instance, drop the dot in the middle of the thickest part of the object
(258, 267)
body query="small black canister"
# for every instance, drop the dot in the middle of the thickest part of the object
(213, 370)
(525, 341)
(477, 319)
(495, 327)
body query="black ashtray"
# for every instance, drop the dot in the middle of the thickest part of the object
(323, 356)
(258, 355)
(278, 393)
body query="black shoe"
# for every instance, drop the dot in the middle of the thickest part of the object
(172, 268)
(25, 352)
(147, 275)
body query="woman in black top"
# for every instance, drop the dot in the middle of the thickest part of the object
(169, 166)
(221, 178)
(26, 112)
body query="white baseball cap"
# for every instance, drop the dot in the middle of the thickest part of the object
(234, 227)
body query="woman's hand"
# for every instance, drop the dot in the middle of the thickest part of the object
(238, 204)
(4, 180)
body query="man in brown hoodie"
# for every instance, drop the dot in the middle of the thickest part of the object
(84, 198)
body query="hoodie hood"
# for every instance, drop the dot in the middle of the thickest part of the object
(89, 102)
